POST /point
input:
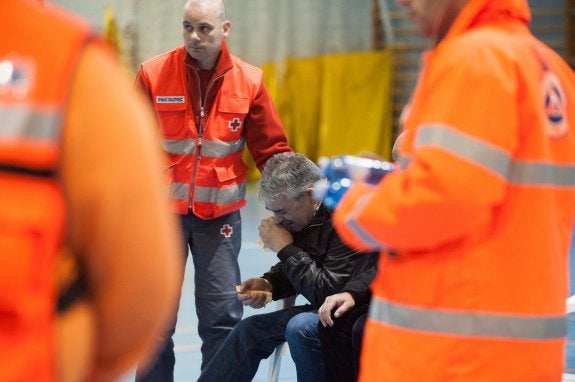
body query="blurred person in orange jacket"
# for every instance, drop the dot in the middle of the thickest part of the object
(211, 106)
(474, 229)
(343, 315)
(88, 255)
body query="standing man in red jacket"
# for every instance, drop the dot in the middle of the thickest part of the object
(210, 105)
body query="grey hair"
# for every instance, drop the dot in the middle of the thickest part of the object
(287, 175)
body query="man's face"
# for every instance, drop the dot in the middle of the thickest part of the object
(204, 28)
(433, 18)
(293, 214)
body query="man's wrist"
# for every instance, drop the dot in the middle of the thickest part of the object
(287, 252)
(353, 295)
(268, 283)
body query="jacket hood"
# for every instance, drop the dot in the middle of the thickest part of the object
(476, 11)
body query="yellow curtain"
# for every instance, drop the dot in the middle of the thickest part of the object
(334, 104)
(356, 104)
(111, 30)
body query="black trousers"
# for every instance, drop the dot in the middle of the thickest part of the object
(341, 345)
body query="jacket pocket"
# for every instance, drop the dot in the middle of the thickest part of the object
(235, 173)
(234, 104)
(172, 117)
(231, 113)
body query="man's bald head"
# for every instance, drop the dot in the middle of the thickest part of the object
(204, 28)
(216, 6)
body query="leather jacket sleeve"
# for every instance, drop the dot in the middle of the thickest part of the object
(359, 286)
(319, 264)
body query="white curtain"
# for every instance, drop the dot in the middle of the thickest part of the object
(264, 30)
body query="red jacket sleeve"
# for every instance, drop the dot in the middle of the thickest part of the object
(265, 133)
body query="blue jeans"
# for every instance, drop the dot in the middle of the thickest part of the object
(253, 339)
(215, 246)
(305, 347)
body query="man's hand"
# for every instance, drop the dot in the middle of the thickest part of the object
(342, 301)
(274, 236)
(255, 292)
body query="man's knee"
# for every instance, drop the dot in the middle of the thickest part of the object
(301, 326)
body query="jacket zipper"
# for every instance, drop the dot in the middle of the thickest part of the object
(200, 131)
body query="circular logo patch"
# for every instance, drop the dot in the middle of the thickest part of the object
(555, 106)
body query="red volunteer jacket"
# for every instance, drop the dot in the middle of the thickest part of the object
(205, 137)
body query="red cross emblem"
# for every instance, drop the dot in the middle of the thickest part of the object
(227, 230)
(235, 124)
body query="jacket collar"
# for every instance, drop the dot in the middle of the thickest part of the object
(322, 214)
(224, 63)
(480, 11)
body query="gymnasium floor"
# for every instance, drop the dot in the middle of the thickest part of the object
(254, 261)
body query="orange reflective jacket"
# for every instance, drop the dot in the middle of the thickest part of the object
(479, 217)
(33, 89)
(205, 138)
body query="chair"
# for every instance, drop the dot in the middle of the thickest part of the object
(281, 350)
(570, 304)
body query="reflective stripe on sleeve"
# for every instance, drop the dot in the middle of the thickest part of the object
(484, 154)
(357, 229)
(466, 323)
(464, 146)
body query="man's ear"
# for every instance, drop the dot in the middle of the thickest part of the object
(227, 27)
(309, 192)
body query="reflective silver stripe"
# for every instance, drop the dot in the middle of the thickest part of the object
(221, 149)
(23, 122)
(468, 323)
(357, 229)
(542, 174)
(220, 196)
(465, 146)
(180, 146)
(210, 149)
(495, 159)
(179, 191)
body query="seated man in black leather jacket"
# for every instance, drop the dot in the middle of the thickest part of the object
(313, 262)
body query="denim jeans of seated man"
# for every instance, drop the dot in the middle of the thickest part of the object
(255, 338)
(302, 335)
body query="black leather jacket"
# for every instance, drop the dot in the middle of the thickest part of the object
(318, 264)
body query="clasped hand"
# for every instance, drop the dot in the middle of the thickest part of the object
(274, 236)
